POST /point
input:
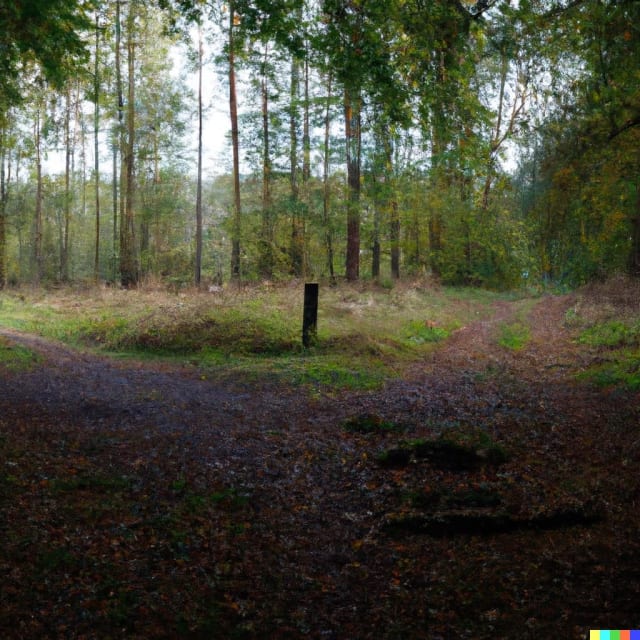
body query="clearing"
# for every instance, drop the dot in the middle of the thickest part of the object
(487, 492)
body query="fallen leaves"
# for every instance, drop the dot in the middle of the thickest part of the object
(163, 509)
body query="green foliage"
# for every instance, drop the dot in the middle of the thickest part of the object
(47, 31)
(514, 336)
(612, 333)
(15, 357)
(424, 332)
(622, 371)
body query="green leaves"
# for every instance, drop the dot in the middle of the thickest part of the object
(47, 32)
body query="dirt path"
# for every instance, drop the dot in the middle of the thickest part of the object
(298, 545)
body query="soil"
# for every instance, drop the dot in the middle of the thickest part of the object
(144, 501)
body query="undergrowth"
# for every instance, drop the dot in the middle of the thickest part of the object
(365, 334)
(15, 357)
(606, 317)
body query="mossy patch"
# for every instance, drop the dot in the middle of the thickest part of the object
(455, 451)
(370, 423)
(15, 357)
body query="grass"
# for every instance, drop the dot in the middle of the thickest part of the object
(514, 336)
(606, 318)
(366, 333)
(16, 357)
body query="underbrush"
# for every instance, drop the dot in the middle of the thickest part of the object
(606, 317)
(365, 333)
(15, 357)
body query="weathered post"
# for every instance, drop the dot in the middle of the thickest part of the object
(310, 315)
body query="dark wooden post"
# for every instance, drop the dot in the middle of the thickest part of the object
(310, 316)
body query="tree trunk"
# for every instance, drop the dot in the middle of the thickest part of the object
(128, 266)
(235, 143)
(326, 195)
(198, 265)
(392, 203)
(352, 106)
(96, 148)
(64, 247)
(375, 247)
(266, 257)
(118, 144)
(296, 250)
(3, 205)
(37, 240)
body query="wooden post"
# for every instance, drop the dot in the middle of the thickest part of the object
(310, 316)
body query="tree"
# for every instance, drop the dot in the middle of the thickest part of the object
(47, 32)
(198, 261)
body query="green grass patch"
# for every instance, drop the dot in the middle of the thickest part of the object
(514, 336)
(15, 357)
(613, 333)
(425, 332)
(623, 371)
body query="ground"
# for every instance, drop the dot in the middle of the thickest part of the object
(143, 501)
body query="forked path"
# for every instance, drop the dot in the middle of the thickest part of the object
(313, 559)
(467, 378)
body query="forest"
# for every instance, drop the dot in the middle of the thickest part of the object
(451, 451)
(490, 143)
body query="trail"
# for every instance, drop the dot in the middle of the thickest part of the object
(311, 558)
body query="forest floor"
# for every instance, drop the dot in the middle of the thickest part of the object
(487, 493)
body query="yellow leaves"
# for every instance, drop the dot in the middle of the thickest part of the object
(565, 179)
(356, 545)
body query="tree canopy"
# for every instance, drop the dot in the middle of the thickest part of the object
(47, 32)
(482, 142)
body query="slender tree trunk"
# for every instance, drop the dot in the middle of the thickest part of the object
(3, 204)
(306, 127)
(96, 148)
(352, 107)
(392, 203)
(375, 245)
(326, 196)
(64, 247)
(235, 143)
(266, 257)
(296, 250)
(198, 265)
(128, 267)
(118, 144)
(38, 231)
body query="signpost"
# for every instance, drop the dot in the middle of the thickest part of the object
(310, 315)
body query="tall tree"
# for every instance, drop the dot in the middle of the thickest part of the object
(234, 22)
(356, 43)
(4, 196)
(128, 260)
(198, 261)
(96, 144)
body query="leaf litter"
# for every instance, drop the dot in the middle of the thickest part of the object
(141, 501)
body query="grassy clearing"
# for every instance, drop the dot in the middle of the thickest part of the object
(365, 333)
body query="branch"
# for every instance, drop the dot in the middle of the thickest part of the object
(629, 124)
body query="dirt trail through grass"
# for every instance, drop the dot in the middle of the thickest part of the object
(143, 501)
